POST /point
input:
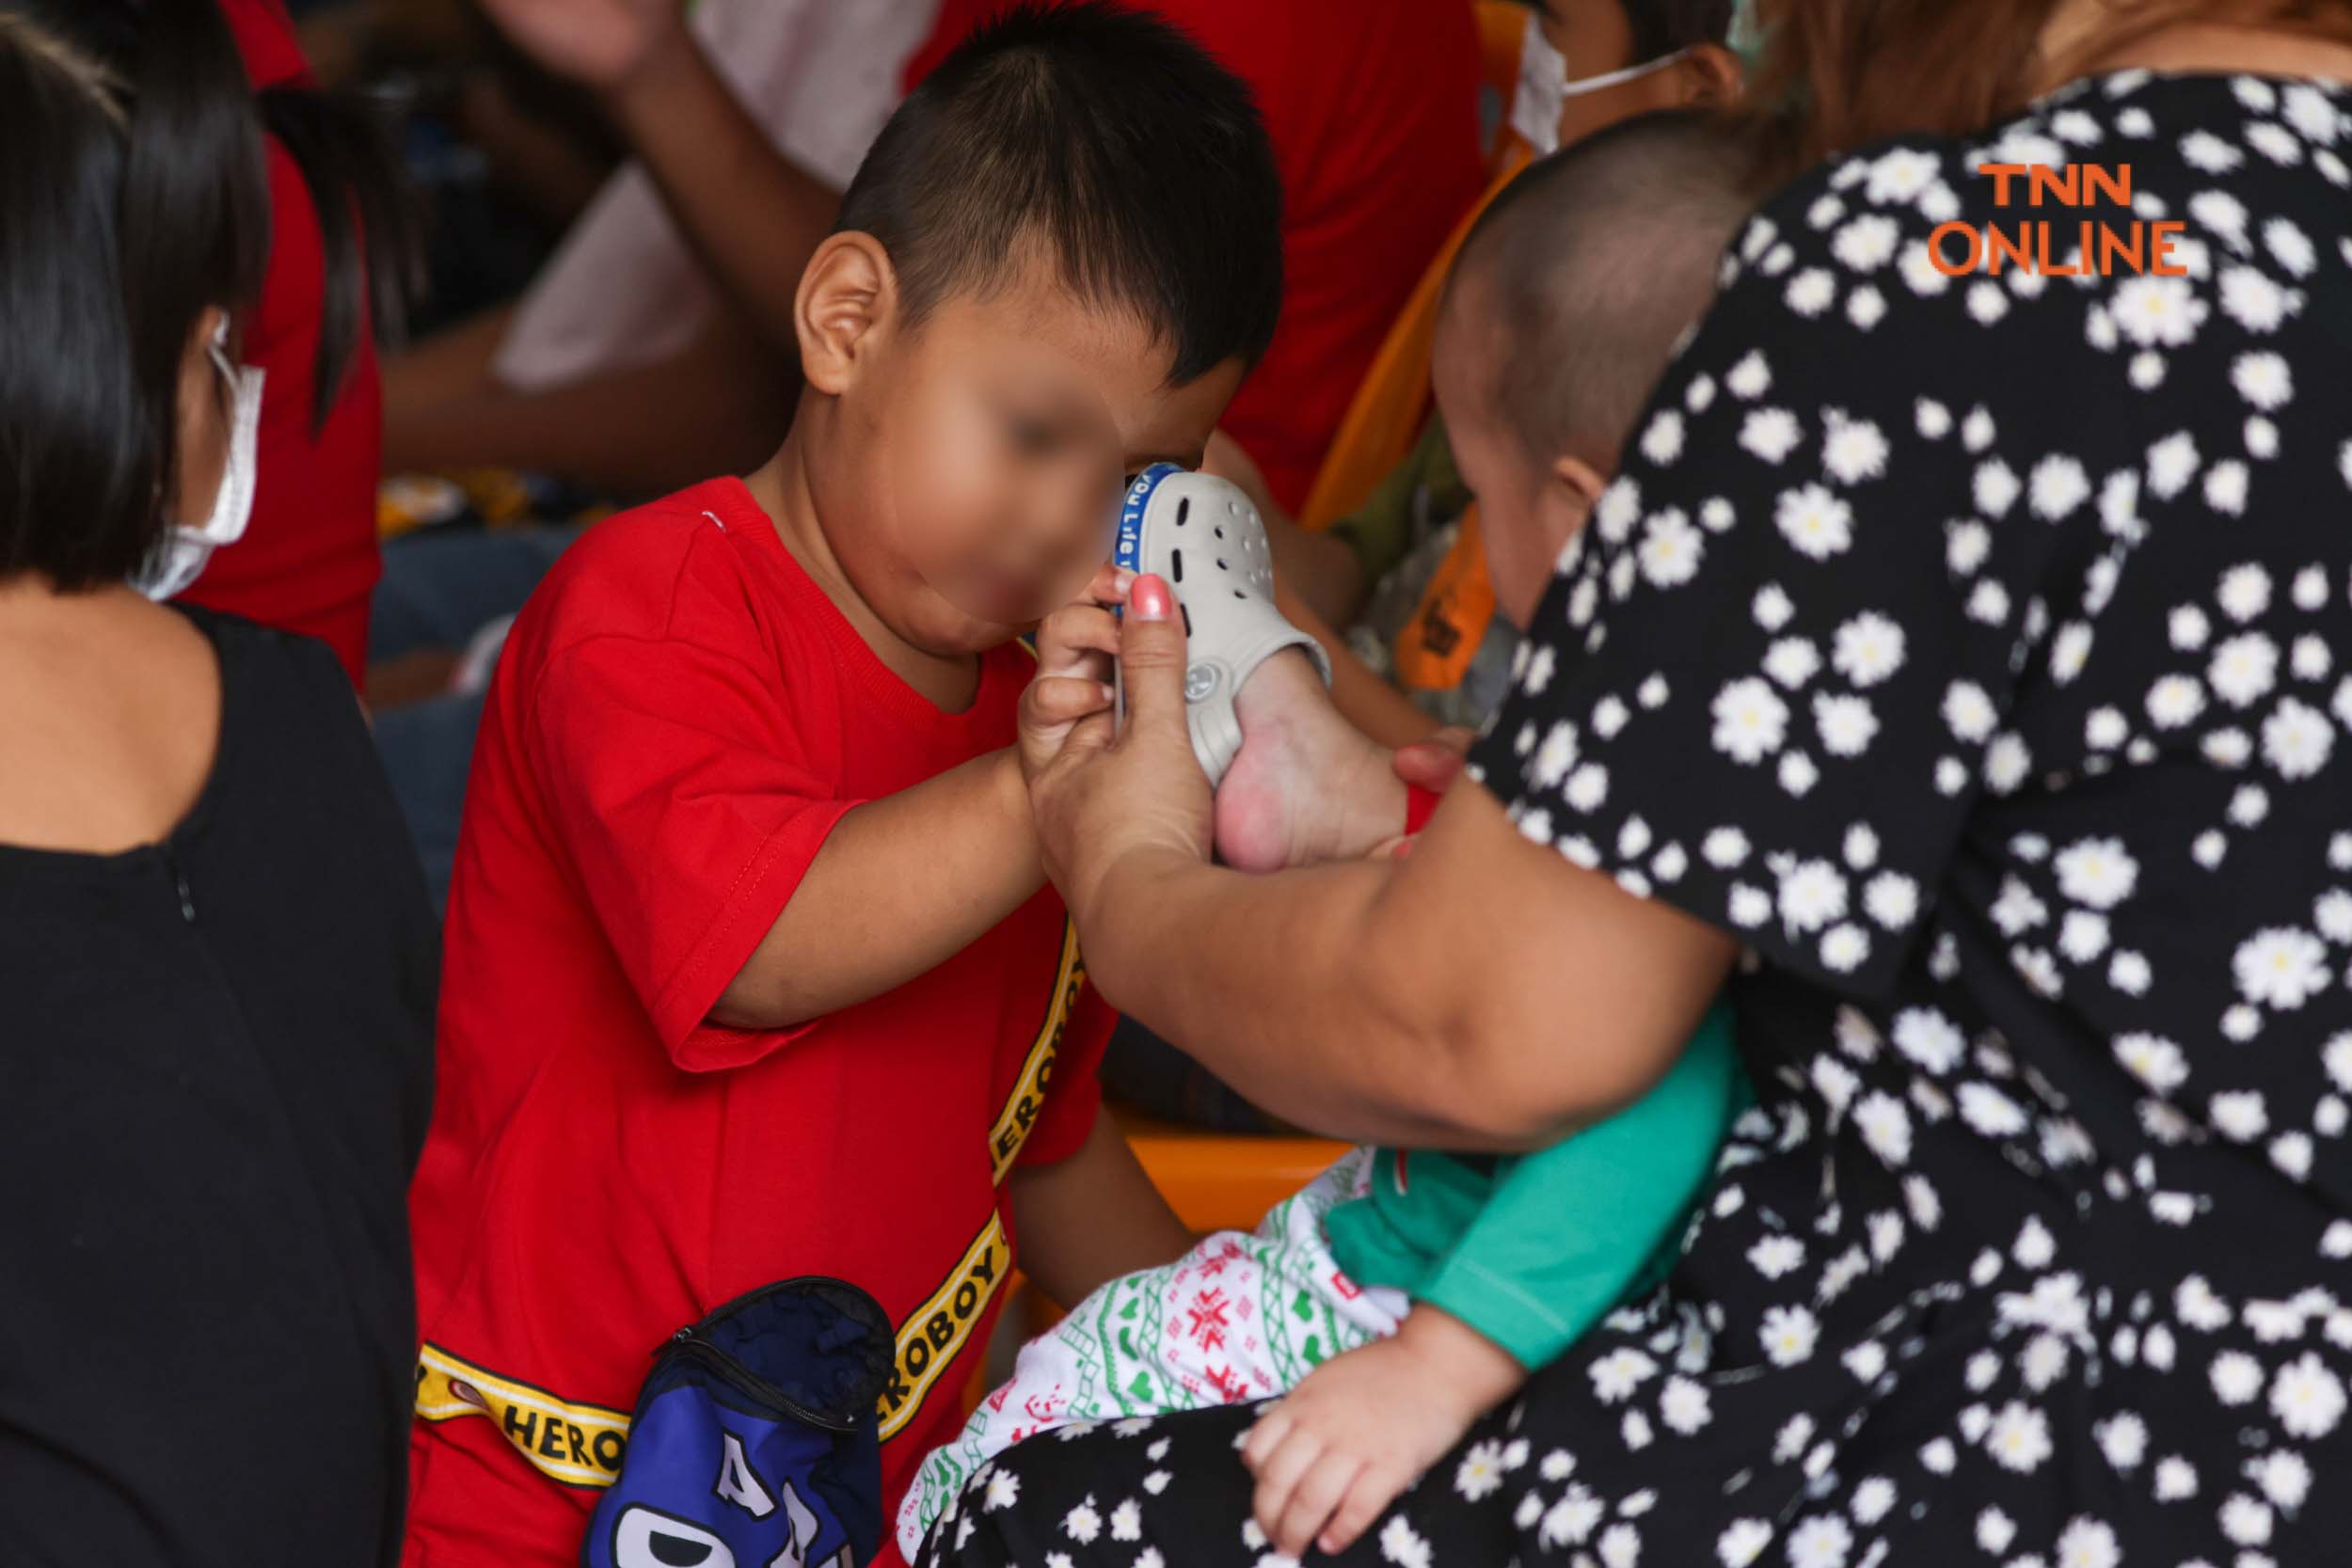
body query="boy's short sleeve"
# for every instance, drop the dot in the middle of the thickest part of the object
(686, 806)
(1075, 1097)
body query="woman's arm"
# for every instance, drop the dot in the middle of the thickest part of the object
(1481, 993)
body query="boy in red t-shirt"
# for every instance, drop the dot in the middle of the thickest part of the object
(752, 971)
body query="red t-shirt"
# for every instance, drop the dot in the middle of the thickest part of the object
(680, 718)
(308, 560)
(1373, 111)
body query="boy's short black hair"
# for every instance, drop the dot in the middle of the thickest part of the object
(1662, 26)
(132, 197)
(1592, 264)
(1110, 138)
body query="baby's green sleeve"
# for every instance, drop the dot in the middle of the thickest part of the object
(1567, 1231)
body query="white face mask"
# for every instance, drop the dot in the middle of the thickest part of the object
(182, 553)
(1545, 89)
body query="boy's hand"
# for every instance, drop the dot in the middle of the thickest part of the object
(1345, 1444)
(1076, 648)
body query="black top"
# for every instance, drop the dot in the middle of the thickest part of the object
(1978, 651)
(216, 1064)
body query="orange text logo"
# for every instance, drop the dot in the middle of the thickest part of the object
(2098, 248)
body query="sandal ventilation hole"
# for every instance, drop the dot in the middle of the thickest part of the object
(1188, 614)
(1184, 509)
(1221, 566)
(1176, 565)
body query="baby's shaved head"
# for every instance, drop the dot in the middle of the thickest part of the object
(1579, 277)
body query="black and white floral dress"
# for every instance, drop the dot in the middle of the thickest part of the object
(1979, 652)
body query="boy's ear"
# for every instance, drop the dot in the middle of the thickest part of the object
(846, 290)
(1708, 77)
(1571, 486)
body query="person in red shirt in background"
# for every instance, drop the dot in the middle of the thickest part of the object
(308, 561)
(1373, 112)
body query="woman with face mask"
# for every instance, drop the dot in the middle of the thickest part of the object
(216, 965)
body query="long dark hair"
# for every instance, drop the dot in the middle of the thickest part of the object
(368, 228)
(133, 199)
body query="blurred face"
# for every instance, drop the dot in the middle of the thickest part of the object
(1528, 508)
(968, 469)
(1594, 39)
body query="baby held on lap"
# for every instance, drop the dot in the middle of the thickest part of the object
(1404, 1294)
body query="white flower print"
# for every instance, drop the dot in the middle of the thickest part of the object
(2244, 668)
(1847, 725)
(1865, 306)
(1401, 1544)
(1968, 712)
(1751, 722)
(1004, 1490)
(2124, 1439)
(1684, 1406)
(2297, 739)
(1082, 1524)
(2307, 1398)
(1771, 606)
(2171, 464)
(2209, 153)
(1869, 649)
(2174, 701)
(1661, 443)
(2158, 313)
(2284, 1476)
(2264, 380)
(1996, 487)
(1743, 1541)
(1751, 378)
(1812, 895)
(1480, 1474)
(2176, 1479)
(1127, 1521)
(2019, 1438)
(2252, 300)
(2005, 762)
(1867, 243)
(2245, 1520)
(1617, 1375)
(1555, 756)
(1671, 550)
(2098, 872)
(2225, 487)
(1994, 1530)
(1822, 1540)
(2088, 1543)
(1791, 661)
(2281, 967)
(2238, 1116)
(1811, 292)
(1885, 1126)
(1967, 545)
(1814, 520)
(1620, 1546)
(2236, 1377)
(1789, 1333)
(1853, 450)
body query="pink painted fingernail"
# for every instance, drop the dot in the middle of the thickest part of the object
(1150, 600)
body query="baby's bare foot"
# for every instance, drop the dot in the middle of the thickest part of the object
(1307, 785)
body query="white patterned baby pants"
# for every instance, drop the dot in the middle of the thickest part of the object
(1239, 1317)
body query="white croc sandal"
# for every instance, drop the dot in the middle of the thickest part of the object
(1204, 537)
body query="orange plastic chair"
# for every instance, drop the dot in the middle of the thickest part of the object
(1220, 1181)
(1386, 415)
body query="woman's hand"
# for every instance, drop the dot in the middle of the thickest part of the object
(1101, 796)
(602, 44)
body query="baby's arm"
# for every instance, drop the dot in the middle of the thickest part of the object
(905, 882)
(1565, 1234)
(1361, 1428)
